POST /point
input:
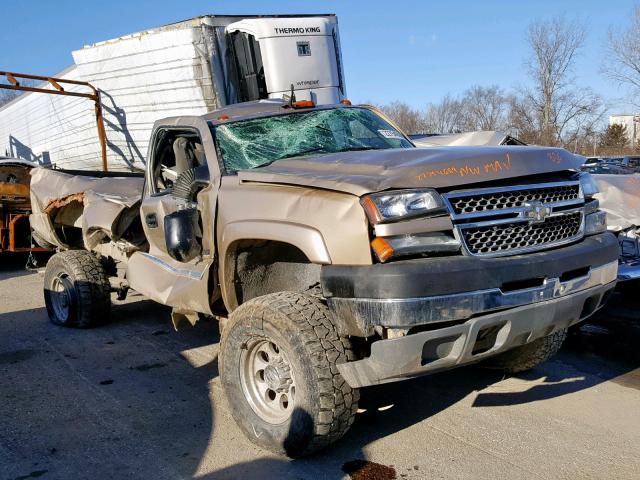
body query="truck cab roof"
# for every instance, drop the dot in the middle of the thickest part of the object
(255, 109)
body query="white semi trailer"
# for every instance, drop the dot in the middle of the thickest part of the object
(186, 68)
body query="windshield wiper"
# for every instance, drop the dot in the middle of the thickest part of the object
(363, 147)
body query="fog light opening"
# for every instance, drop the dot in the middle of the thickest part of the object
(486, 339)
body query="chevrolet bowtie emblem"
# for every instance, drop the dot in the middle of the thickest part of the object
(536, 211)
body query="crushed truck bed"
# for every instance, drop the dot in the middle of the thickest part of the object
(103, 207)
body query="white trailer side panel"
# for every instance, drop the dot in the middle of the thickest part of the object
(142, 77)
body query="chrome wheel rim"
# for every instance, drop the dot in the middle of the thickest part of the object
(63, 296)
(267, 381)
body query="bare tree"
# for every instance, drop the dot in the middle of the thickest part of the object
(553, 110)
(484, 108)
(554, 45)
(622, 63)
(523, 119)
(409, 119)
(445, 117)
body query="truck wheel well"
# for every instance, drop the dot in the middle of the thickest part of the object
(260, 267)
(64, 217)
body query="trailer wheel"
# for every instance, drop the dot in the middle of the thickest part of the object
(530, 355)
(278, 366)
(77, 290)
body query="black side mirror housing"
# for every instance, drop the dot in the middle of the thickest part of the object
(181, 234)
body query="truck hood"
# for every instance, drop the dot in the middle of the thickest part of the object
(370, 171)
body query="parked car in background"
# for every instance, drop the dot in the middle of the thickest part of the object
(607, 168)
(593, 161)
(632, 162)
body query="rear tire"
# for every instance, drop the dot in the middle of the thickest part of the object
(527, 356)
(77, 292)
(278, 360)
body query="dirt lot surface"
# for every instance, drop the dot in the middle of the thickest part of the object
(136, 399)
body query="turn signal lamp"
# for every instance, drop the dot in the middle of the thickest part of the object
(303, 104)
(382, 249)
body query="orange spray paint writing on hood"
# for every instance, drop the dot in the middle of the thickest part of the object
(466, 170)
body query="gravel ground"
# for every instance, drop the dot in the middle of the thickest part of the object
(135, 399)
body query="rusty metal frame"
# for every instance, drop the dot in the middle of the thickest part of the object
(8, 234)
(57, 84)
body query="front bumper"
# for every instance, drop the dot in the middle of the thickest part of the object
(476, 339)
(420, 292)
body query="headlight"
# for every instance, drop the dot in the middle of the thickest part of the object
(401, 204)
(595, 221)
(413, 244)
(588, 184)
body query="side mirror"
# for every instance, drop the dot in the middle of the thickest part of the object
(181, 234)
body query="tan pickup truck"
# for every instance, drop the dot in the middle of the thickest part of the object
(335, 254)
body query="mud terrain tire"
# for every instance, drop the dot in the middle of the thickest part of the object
(530, 355)
(77, 290)
(297, 334)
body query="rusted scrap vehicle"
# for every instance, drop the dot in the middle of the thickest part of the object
(15, 206)
(335, 253)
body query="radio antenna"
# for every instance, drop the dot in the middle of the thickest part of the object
(292, 97)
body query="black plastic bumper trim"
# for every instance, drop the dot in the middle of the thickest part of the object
(457, 274)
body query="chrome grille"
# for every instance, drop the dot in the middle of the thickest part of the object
(513, 198)
(522, 236)
(509, 220)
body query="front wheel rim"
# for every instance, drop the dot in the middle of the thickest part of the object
(267, 381)
(62, 296)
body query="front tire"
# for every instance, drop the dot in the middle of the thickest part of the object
(530, 355)
(77, 292)
(278, 366)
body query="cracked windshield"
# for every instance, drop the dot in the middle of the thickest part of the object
(259, 142)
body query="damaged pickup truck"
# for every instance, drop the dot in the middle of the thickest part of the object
(335, 253)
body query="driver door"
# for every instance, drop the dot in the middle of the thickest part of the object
(156, 273)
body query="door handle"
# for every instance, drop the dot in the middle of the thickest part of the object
(152, 220)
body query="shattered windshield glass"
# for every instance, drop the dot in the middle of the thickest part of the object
(261, 141)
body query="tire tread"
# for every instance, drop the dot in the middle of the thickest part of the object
(92, 285)
(530, 355)
(338, 401)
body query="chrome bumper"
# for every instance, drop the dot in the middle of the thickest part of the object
(474, 340)
(408, 312)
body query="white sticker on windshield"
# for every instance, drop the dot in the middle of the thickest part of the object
(390, 134)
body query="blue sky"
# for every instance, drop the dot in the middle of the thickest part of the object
(414, 51)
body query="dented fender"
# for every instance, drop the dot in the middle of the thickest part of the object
(328, 227)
